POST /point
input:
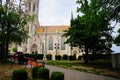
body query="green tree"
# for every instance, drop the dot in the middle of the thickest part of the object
(92, 31)
(11, 29)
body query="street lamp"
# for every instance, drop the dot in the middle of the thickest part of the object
(45, 45)
(57, 48)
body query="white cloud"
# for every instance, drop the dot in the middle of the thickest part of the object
(115, 48)
(56, 12)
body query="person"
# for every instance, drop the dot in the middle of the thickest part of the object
(15, 57)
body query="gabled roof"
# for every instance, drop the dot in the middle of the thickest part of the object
(59, 28)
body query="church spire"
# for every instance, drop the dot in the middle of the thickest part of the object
(71, 15)
(71, 18)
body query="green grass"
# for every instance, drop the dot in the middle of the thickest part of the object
(66, 63)
(80, 63)
(100, 67)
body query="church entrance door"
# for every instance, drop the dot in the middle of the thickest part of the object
(34, 48)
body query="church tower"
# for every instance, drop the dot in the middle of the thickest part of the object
(32, 9)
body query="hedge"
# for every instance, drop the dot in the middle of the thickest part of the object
(58, 57)
(19, 75)
(72, 58)
(36, 56)
(49, 57)
(57, 76)
(65, 57)
(43, 73)
(35, 72)
(79, 57)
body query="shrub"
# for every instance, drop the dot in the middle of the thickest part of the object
(14, 49)
(84, 57)
(35, 72)
(71, 58)
(26, 55)
(36, 56)
(40, 56)
(19, 75)
(58, 57)
(79, 57)
(21, 58)
(49, 57)
(43, 73)
(65, 57)
(57, 76)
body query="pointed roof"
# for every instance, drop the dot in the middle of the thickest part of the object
(71, 15)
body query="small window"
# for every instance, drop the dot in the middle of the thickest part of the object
(50, 43)
(62, 43)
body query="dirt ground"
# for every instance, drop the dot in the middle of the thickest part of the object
(7, 69)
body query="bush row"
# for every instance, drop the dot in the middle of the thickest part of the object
(66, 57)
(59, 57)
(38, 73)
(49, 57)
(36, 56)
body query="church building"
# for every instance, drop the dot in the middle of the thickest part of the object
(45, 39)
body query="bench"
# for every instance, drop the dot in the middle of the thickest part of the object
(21, 59)
(33, 62)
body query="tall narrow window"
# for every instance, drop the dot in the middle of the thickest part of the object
(62, 43)
(29, 6)
(50, 43)
(33, 7)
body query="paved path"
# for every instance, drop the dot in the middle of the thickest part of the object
(77, 75)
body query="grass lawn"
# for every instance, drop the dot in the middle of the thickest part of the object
(101, 68)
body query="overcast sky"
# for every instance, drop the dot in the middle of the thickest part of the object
(58, 12)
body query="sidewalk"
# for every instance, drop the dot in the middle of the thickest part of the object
(77, 75)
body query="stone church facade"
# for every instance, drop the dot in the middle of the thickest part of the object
(45, 39)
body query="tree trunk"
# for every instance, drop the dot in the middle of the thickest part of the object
(86, 59)
(7, 42)
(2, 51)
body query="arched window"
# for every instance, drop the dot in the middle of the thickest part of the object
(50, 43)
(34, 48)
(62, 43)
